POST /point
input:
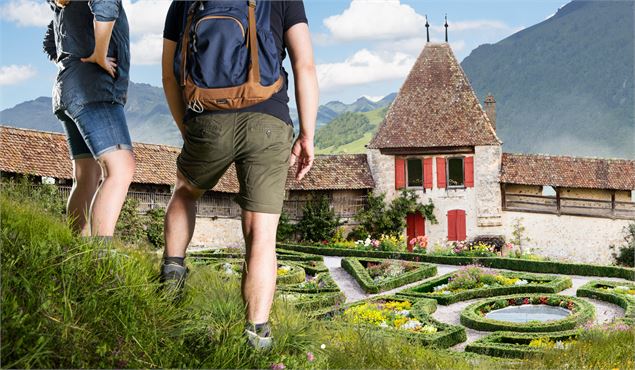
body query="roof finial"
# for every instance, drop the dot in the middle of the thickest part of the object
(427, 29)
(446, 28)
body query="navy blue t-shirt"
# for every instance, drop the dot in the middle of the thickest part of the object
(284, 15)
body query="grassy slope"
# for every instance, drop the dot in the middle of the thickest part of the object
(375, 117)
(64, 306)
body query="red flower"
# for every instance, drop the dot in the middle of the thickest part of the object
(526, 301)
(325, 242)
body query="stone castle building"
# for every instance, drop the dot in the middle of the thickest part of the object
(436, 140)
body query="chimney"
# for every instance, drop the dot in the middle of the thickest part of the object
(490, 109)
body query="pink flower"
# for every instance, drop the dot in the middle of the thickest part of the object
(278, 366)
(310, 357)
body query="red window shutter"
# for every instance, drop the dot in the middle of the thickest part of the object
(469, 171)
(452, 225)
(440, 172)
(427, 173)
(420, 225)
(460, 225)
(400, 173)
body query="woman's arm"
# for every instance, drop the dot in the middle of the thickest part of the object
(171, 86)
(49, 43)
(105, 12)
(298, 41)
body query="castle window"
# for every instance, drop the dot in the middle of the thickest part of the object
(415, 172)
(455, 172)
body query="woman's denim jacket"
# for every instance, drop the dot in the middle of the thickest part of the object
(70, 36)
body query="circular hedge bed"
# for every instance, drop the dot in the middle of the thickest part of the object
(473, 316)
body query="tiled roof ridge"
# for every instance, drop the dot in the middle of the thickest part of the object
(573, 157)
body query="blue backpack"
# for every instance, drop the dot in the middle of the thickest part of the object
(227, 57)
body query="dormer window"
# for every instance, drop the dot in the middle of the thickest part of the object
(414, 172)
(456, 177)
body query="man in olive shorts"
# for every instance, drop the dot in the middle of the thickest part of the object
(258, 139)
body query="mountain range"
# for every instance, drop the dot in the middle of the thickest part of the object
(562, 86)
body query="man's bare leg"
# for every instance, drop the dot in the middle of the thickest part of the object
(259, 276)
(86, 176)
(180, 217)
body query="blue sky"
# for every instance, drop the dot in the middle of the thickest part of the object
(362, 47)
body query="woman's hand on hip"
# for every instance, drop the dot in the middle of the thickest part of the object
(108, 64)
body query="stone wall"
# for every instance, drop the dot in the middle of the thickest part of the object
(216, 232)
(487, 166)
(571, 238)
(382, 167)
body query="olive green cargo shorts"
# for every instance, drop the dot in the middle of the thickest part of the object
(258, 143)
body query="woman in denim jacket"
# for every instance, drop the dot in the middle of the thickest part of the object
(89, 43)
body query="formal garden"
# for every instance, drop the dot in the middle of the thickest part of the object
(369, 299)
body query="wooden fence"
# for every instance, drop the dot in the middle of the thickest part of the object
(568, 206)
(222, 204)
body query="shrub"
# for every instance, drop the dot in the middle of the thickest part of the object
(411, 272)
(605, 290)
(155, 219)
(319, 222)
(521, 345)
(495, 241)
(130, 226)
(626, 254)
(285, 228)
(378, 218)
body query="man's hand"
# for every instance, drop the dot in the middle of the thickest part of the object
(302, 152)
(107, 63)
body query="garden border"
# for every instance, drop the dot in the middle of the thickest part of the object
(354, 267)
(471, 318)
(313, 301)
(447, 335)
(557, 284)
(516, 264)
(590, 290)
(495, 344)
(295, 276)
(293, 288)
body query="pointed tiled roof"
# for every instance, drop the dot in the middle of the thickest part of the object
(46, 154)
(564, 171)
(435, 107)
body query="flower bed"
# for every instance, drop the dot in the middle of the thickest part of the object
(322, 282)
(400, 316)
(516, 264)
(476, 282)
(377, 275)
(520, 345)
(286, 274)
(621, 294)
(312, 301)
(473, 316)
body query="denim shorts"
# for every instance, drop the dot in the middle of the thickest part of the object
(95, 129)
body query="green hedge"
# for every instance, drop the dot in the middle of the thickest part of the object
(354, 267)
(446, 336)
(471, 317)
(297, 256)
(295, 276)
(516, 264)
(555, 284)
(311, 267)
(314, 301)
(329, 285)
(515, 345)
(591, 290)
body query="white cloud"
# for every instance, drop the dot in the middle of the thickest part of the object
(147, 50)
(364, 67)
(27, 12)
(146, 16)
(375, 20)
(14, 74)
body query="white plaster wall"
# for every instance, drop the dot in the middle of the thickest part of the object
(569, 238)
(218, 233)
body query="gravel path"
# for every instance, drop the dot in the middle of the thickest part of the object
(604, 311)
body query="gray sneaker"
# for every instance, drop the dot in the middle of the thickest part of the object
(259, 338)
(173, 278)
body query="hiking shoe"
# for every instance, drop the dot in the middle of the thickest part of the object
(173, 278)
(259, 336)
